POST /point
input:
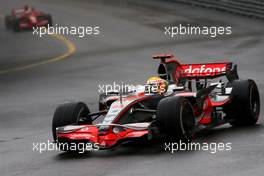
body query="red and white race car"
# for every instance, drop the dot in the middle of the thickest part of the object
(176, 104)
(27, 18)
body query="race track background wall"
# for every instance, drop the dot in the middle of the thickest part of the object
(249, 8)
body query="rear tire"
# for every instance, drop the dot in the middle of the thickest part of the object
(175, 118)
(70, 114)
(244, 108)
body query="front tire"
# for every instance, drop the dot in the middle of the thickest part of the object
(16, 25)
(49, 18)
(70, 114)
(175, 118)
(244, 108)
(8, 22)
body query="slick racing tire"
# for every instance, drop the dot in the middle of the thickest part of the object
(244, 108)
(175, 118)
(70, 114)
(49, 20)
(8, 22)
(16, 25)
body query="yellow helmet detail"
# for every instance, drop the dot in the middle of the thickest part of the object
(156, 85)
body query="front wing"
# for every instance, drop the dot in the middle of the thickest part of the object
(104, 135)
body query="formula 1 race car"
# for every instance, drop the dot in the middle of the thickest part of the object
(176, 104)
(27, 18)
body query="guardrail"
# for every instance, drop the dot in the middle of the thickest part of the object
(250, 8)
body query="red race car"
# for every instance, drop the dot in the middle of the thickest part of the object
(27, 18)
(176, 104)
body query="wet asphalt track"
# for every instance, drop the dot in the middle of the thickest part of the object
(130, 35)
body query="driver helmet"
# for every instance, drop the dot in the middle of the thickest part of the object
(156, 85)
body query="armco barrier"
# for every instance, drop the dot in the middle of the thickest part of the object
(251, 8)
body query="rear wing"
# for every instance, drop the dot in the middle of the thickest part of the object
(205, 70)
(18, 11)
(178, 71)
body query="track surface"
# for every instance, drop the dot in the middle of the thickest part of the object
(130, 35)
